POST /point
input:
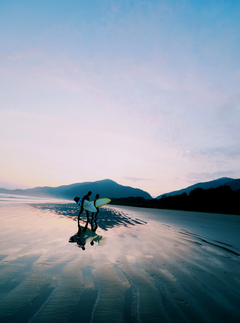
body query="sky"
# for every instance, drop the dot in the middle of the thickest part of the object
(146, 93)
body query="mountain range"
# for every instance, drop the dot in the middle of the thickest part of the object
(111, 189)
(106, 188)
(224, 181)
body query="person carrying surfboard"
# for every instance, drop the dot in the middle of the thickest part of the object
(77, 200)
(94, 202)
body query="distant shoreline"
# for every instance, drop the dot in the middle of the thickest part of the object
(221, 200)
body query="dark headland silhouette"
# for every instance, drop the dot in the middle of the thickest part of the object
(233, 183)
(218, 196)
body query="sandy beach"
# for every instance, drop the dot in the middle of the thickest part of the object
(131, 265)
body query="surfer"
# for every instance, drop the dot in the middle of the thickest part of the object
(94, 202)
(80, 203)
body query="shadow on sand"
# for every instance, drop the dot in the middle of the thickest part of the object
(107, 217)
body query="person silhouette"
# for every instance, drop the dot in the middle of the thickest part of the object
(80, 203)
(94, 202)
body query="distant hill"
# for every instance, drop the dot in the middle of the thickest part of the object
(206, 185)
(221, 199)
(106, 188)
(234, 184)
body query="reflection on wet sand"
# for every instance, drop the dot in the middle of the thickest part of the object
(85, 235)
(148, 266)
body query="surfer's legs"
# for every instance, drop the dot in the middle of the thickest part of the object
(96, 213)
(81, 210)
(96, 226)
(85, 228)
(87, 215)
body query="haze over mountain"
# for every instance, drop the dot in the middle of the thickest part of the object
(106, 188)
(233, 183)
(111, 189)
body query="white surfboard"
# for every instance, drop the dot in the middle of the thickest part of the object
(101, 202)
(88, 206)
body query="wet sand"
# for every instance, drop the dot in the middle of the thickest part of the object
(139, 265)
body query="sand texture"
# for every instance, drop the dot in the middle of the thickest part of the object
(138, 265)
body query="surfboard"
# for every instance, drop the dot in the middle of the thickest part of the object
(101, 202)
(88, 206)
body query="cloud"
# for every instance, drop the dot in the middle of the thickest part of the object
(220, 153)
(137, 179)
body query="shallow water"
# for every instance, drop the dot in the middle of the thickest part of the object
(138, 265)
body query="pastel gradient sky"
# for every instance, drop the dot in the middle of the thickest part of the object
(146, 93)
